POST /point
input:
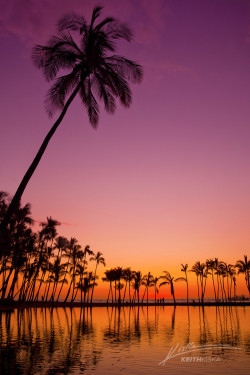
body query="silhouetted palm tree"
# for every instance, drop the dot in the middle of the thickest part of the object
(212, 267)
(68, 250)
(184, 269)
(147, 280)
(110, 277)
(58, 272)
(74, 255)
(98, 258)
(200, 269)
(128, 276)
(92, 69)
(154, 283)
(168, 280)
(137, 284)
(232, 273)
(244, 267)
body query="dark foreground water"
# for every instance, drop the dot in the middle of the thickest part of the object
(153, 340)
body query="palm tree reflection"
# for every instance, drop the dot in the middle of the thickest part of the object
(47, 341)
(60, 340)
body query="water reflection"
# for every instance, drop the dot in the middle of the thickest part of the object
(62, 341)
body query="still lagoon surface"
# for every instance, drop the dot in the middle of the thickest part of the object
(126, 340)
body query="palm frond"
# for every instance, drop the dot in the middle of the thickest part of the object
(96, 13)
(58, 92)
(180, 279)
(90, 102)
(71, 21)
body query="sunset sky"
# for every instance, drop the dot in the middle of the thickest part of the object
(164, 182)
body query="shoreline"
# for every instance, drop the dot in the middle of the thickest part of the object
(7, 306)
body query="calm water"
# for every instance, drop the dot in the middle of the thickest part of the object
(126, 341)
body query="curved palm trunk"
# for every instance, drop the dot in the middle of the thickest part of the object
(41, 281)
(172, 292)
(63, 280)
(70, 285)
(6, 281)
(17, 197)
(53, 292)
(12, 287)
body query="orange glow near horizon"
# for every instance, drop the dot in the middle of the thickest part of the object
(163, 182)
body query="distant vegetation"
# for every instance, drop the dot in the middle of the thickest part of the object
(37, 266)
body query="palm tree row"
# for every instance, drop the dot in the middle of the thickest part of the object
(223, 277)
(38, 266)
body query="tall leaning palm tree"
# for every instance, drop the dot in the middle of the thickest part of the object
(94, 71)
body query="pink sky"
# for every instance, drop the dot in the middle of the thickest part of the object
(164, 182)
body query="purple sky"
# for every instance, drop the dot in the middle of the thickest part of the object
(164, 182)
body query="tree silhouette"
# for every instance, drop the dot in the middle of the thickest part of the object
(244, 267)
(94, 71)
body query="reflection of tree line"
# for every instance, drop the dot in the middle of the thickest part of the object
(43, 344)
(56, 340)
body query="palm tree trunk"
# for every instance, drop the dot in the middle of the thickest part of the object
(119, 301)
(53, 292)
(6, 281)
(115, 292)
(198, 289)
(17, 197)
(172, 292)
(109, 292)
(41, 281)
(218, 287)
(214, 286)
(125, 291)
(93, 284)
(70, 285)
(12, 287)
(144, 294)
(47, 295)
